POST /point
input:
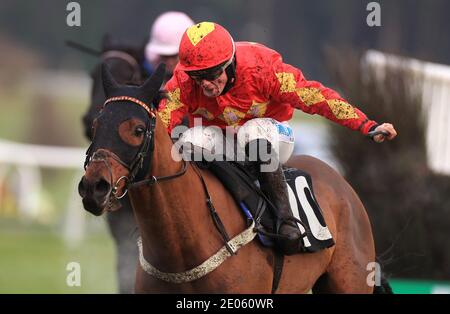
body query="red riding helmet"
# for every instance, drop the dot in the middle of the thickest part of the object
(205, 45)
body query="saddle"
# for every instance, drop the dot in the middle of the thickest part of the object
(244, 187)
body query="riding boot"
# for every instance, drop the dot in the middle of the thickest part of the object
(273, 184)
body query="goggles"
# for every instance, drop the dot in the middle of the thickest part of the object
(211, 74)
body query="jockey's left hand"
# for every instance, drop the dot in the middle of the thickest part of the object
(385, 127)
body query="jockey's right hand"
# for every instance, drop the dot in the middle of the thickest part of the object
(382, 132)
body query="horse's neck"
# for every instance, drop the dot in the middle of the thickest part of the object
(169, 213)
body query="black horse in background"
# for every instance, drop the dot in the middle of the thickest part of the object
(125, 63)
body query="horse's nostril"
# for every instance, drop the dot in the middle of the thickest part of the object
(82, 187)
(102, 187)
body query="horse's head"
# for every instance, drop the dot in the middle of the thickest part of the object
(125, 64)
(122, 144)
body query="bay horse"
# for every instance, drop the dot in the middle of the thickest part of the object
(132, 152)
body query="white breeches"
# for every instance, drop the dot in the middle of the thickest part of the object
(213, 140)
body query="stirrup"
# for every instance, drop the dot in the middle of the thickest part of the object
(288, 220)
(289, 243)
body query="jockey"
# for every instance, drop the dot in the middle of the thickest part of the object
(165, 36)
(247, 87)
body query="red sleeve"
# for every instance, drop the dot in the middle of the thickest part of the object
(287, 84)
(171, 110)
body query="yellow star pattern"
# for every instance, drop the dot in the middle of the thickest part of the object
(341, 109)
(257, 109)
(232, 116)
(173, 103)
(204, 113)
(310, 95)
(287, 82)
(196, 32)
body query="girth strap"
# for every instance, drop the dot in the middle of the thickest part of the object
(277, 270)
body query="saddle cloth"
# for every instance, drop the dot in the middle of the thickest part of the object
(245, 190)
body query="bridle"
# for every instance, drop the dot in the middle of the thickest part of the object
(141, 163)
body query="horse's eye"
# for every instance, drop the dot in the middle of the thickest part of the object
(139, 131)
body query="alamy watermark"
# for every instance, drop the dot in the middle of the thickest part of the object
(374, 17)
(74, 16)
(73, 278)
(374, 277)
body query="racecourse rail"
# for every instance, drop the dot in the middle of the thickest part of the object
(26, 160)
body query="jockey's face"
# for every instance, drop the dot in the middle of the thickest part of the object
(215, 87)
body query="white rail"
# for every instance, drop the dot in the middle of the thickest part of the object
(27, 160)
(41, 156)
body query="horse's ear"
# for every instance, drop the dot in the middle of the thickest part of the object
(151, 86)
(109, 83)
